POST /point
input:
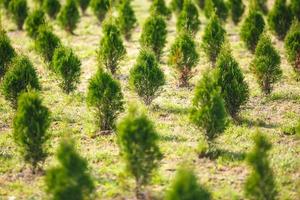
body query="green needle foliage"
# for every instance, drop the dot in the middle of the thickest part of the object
(137, 140)
(177, 5)
(252, 27)
(146, 77)
(154, 35)
(105, 96)
(83, 4)
(126, 19)
(292, 46)
(266, 64)
(201, 4)
(188, 19)
(260, 184)
(234, 88)
(7, 53)
(186, 187)
(71, 178)
(111, 50)
(236, 8)
(183, 57)
(19, 11)
(51, 7)
(216, 6)
(280, 18)
(30, 128)
(5, 4)
(158, 7)
(34, 21)
(46, 43)
(213, 38)
(259, 6)
(67, 65)
(208, 109)
(100, 8)
(295, 6)
(20, 77)
(69, 16)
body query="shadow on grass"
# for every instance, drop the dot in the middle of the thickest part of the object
(256, 123)
(172, 138)
(224, 154)
(170, 109)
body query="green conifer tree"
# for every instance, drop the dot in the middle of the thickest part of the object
(7, 53)
(52, 8)
(177, 5)
(69, 16)
(216, 6)
(295, 6)
(236, 8)
(259, 6)
(126, 19)
(34, 21)
(100, 8)
(19, 12)
(83, 4)
(158, 7)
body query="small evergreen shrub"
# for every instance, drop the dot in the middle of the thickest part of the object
(71, 178)
(30, 128)
(183, 57)
(295, 6)
(5, 4)
(19, 12)
(292, 46)
(252, 27)
(52, 8)
(7, 53)
(20, 77)
(105, 95)
(234, 88)
(146, 77)
(213, 38)
(154, 35)
(158, 7)
(137, 140)
(208, 109)
(33, 22)
(126, 19)
(201, 4)
(177, 5)
(216, 6)
(280, 18)
(259, 6)
(266, 64)
(260, 184)
(111, 50)
(237, 9)
(67, 65)
(186, 187)
(46, 42)
(100, 8)
(83, 4)
(69, 16)
(188, 19)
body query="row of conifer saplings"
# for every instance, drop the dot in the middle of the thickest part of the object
(137, 140)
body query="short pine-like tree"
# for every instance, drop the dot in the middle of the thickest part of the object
(183, 57)
(71, 178)
(137, 140)
(7, 53)
(100, 8)
(260, 184)
(146, 77)
(158, 7)
(208, 108)
(5, 4)
(19, 11)
(126, 19)
(177, 5)
(259, 6)
(252, 27)
(111, 50)
(154, 35)
(52, 8)
(201, 4)
(83, 4)
(30, 128)
(266, 64)
(105, 96)
(292, 46)
(34, 21)
(216, 6)
(46, 42)
(280, 18)
(295, 6)
(185, 187)
(67, 65)
(188, 19)
(234, 88)
(20, 77)
(213, 38)
(69, 16)
(237, 8)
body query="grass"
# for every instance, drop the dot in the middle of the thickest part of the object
(71, 117)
